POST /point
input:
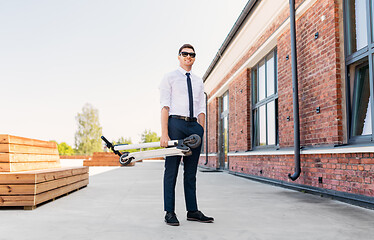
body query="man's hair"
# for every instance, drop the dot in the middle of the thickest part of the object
(186, 46)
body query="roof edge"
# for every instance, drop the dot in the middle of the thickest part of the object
(229, 38)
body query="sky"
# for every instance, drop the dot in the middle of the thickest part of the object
(58, 55)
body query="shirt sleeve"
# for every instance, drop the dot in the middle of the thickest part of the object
(202, 103)
(165, 92)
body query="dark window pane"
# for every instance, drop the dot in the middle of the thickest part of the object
(357, 25)
(255, 128)
(255, 85)
(361, 105)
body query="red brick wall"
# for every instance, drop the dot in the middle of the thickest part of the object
(213, 126)
(319, 78)
(352, 173)
(239, 113)
(212, 161)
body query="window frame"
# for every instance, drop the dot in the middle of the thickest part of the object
(264, 102)
(221, 141)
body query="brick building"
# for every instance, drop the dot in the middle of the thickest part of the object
(250, 97)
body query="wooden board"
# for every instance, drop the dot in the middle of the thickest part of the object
(101, 164)
(27, 189)
(46, 186)
(21, 157)
(6, 201)
(104, 154)
(17, 148)
(39, 198)
(5, 138)
(59, 173)
(114, 157)
(38, 176)
(27, 166)
(32, 200)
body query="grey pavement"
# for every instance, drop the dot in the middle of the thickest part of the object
(127, 203)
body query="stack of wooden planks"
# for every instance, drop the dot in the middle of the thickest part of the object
(24, 154)
(30, 172)
(30, 188)
(104, 159)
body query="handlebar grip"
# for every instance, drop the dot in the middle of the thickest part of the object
(110, 146)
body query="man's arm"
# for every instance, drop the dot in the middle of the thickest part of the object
(201, 119)
(164, 127)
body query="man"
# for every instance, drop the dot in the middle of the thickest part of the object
(182, 114)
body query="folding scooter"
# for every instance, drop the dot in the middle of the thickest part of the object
(180, 147)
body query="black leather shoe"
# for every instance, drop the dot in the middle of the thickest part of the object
(199, 216)
(171, 219)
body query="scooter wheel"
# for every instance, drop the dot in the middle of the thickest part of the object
(124, 161)
(192, 141)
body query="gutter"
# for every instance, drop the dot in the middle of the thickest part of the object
(354, 199)
(235, 29)
(296, 120)
(206, 129)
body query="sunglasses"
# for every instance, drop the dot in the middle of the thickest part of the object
(185, 54)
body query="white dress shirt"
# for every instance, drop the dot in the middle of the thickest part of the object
(174, 93)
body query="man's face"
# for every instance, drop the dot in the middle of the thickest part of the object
(187, 60)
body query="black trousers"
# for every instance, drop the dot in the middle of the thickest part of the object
(179, 129)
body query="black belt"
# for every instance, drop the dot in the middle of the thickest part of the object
(187, 119)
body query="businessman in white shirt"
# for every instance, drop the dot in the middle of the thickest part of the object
(182, 114)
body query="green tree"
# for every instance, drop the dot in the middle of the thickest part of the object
(64, 149)
(122, 140)
(87, 137)
(149, 136)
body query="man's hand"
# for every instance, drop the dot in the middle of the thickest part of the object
(164, 127)
(164, 140)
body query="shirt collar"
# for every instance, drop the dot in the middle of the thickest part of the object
(183, 71)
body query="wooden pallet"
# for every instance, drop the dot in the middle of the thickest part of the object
(28, 189)
(104, 159)
(24, 154)
(30, 172)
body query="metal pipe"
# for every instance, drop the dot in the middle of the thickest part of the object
(206, 129)
(296, 127)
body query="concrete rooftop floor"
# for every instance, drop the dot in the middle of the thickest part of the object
(127, 203)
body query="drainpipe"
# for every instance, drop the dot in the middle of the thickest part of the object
(296, 127)
(206, 128)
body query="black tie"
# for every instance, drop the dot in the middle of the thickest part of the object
(190, 96)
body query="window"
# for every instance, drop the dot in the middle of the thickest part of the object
(360, 99)
(357, 25)
(265, 101)
(359, 33)
(224, 131)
